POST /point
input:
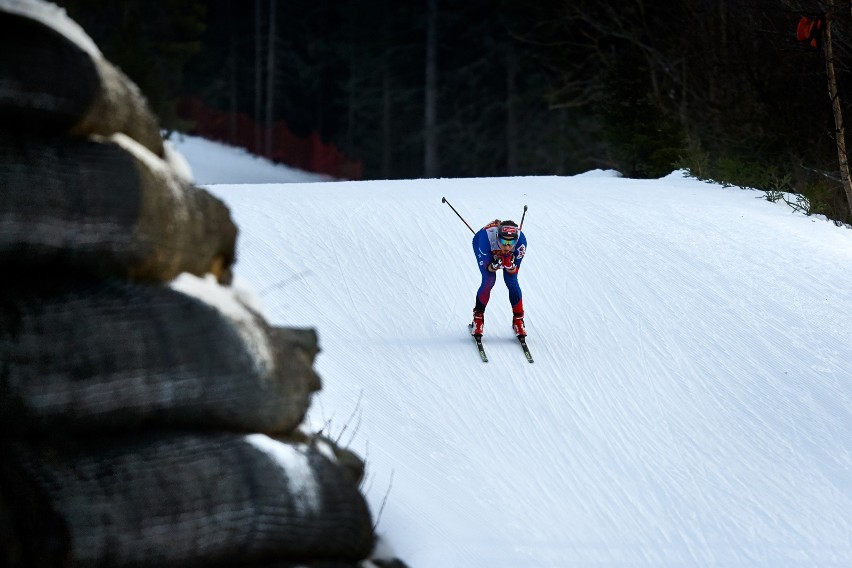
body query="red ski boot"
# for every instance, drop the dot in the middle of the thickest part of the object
(478, 325)
(518, 326)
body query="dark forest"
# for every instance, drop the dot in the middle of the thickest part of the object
(434, 88)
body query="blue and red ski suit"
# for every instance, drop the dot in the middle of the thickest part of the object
(485, 248)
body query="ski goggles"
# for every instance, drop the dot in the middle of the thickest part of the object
(506, 242)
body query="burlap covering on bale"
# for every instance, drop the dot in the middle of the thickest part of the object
(50, 83)
(109, 208)
(118, 355)
(197, 500)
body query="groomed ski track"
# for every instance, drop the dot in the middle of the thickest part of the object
(690, 402)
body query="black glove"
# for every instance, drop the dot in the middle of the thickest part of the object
(497, 263)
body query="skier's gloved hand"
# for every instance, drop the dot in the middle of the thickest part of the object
(508, 262)
(496, 264)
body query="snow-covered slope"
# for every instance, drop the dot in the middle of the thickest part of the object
(213, 162)
(690, 403)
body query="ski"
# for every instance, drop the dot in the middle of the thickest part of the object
(523, 341)
(478, 340)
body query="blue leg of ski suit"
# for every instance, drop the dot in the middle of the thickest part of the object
(482, 251)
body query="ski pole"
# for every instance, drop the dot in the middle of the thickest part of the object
(522, 218)
(444, 200)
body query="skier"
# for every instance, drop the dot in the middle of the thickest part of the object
(499, 245)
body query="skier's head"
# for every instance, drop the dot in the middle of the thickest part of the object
(507, 235)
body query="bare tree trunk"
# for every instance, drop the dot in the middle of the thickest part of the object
(232, 68)
(566, 136)
(840, 132)
(386, 94)
(511, 115)
(258, 76)
(270, 78)
(430, 150)
(350, 101)
(386, 123)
